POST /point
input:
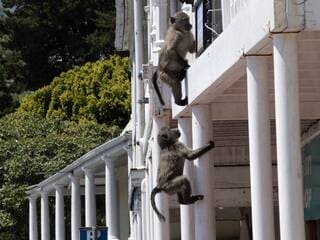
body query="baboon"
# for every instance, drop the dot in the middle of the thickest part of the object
(172, 64)
(170, 177)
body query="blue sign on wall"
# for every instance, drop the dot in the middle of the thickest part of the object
(98, 233)
(311, 179)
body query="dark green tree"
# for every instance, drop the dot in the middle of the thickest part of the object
(32, 148)
(54, 36)
(12, 69)
(98, 91)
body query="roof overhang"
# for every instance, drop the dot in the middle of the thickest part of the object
(113, 149)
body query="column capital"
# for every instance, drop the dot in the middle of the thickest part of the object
(58, 186)
(87, 169)
(44, 193)
(32, 197)
(108, 159)
(73, 177)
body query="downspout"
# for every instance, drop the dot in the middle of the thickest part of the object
(139, 86)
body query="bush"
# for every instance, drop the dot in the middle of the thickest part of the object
(98, 91)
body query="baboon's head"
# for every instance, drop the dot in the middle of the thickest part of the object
(181, 22)
(168, 137)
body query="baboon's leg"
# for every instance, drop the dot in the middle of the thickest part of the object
(181, 185)
(177, 94)
(182, 74)
(175, 85)
(189, 200)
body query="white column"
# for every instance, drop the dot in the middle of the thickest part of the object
(161, 229)
(150, 187)
(144, 208)
(138, 226)
(33, 225)
(111, 200)
(90, 198)
(130, 165)
(288, 137)
(205, 227)
(187, 211)
(59, 213)
(260, 149)
(45, 216)
(75, 207)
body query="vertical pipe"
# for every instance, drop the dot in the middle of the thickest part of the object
(205, 227)
(111, 199)
(288, 137)
(90, 198)
(45, 216)
(187, 211)
(138, 42)
(260, 148)
(161, 13)
(161, 229)
(75, 207)
(59, 217)
(173, 7)
(33, 225)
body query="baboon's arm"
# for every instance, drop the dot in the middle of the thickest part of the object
(193, 154)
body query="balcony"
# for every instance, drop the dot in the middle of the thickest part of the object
(218, 75)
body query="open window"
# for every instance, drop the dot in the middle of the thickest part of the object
(208, 23)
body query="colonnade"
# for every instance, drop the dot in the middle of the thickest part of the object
(198, 220)
(59, 190)
(287, 115)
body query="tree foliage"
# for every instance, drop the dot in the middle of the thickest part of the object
(54, 36)
(11, 76)
(97, 91)
(32, 148)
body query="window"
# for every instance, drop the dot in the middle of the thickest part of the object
(208, 23)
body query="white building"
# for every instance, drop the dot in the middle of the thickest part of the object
(254, 90)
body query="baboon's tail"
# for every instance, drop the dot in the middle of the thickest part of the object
(156, 87)
(153, 203)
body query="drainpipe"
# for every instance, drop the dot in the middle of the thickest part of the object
(138, 42)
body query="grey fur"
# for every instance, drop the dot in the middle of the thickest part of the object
(172, 64)
(170, 177)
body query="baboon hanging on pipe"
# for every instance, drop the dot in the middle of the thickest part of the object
(172, 64)
(170, 177)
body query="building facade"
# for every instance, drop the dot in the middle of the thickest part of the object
(253, 88)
